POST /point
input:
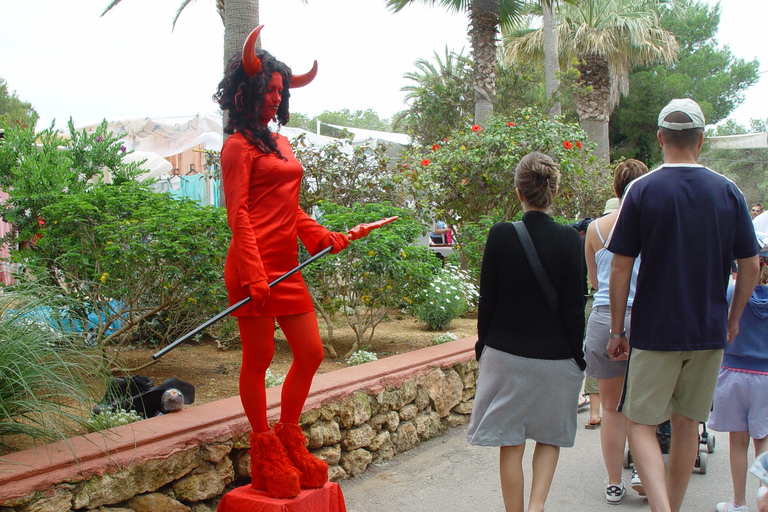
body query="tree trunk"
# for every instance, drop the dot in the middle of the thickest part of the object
(551, 55)
(483, 27)
(594, 105)
(240, 17)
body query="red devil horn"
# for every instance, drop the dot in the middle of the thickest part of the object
(302, 80)
(251, 63)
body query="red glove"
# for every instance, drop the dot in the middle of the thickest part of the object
(259, 292)
(339, 241)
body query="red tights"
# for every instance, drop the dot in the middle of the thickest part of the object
(257, 335)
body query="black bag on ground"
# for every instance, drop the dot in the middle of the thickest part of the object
(139, 394)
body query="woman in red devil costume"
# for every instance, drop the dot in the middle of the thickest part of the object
(261, 179)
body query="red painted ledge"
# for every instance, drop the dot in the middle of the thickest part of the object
(79, 458)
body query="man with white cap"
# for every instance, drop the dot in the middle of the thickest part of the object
(688, 222)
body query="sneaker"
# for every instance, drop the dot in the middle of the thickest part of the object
(729, 506)
(636, 484)
(761, 492)
(614, 493)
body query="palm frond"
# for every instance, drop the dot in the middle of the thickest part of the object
(112, 4)
(183, 5)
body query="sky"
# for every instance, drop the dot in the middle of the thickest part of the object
(67, 61)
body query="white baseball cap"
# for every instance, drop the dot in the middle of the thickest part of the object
(686, 106)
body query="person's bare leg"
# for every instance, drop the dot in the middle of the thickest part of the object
(594, 408)
(544, 463)
(761, 445)
(683, 449)
(646, 455)
(739, 447)
(613, 432)
(512, 479)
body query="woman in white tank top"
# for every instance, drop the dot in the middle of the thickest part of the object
(609, 374)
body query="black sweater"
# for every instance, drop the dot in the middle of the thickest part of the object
(513, 315)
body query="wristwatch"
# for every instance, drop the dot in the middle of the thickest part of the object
(617, 335)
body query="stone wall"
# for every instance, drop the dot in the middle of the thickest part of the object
(186, 461)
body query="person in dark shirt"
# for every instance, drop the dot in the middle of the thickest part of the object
(531, 363)
(687, 222)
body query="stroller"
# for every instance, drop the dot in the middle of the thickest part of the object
(664, 437)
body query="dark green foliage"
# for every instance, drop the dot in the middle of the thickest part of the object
(746, 167)
(113, 245)
(441, 98)
(705, 71)
(14, 111)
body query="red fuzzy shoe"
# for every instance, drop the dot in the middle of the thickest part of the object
(271, 469)
(314, 472)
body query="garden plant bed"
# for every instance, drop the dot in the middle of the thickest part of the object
(215, 372)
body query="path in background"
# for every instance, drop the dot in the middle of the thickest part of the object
(446, 474)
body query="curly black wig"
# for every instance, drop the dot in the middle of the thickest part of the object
(243, 96)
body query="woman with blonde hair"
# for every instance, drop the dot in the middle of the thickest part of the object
(609, 374)
(531, 364)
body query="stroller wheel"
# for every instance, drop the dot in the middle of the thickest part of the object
(702, 462)
(711, 443)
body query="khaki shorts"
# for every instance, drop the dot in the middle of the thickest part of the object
(660, 383)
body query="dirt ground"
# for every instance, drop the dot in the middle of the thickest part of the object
(214, 372)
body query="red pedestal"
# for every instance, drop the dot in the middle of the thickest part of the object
(247, 499)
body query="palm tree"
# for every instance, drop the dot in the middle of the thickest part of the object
(439, 97)
(608, 38)
(551, 60)
(485, 16)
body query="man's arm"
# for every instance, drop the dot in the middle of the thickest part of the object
(621, 273)
(746, 280)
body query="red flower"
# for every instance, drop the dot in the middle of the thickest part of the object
(567, 144)
(435, 147)
(477, 128)
(510, 123)
(578, 144)
(425, 162)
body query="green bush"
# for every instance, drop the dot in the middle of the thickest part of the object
(38, 169)
(448, 296)
(145, 267)
(469, 176)
(379, 272)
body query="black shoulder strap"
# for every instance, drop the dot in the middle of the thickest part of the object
(533, 259)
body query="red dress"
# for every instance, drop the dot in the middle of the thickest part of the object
(262, 197)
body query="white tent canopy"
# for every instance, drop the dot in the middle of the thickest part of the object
(745, 141)
(167, 136)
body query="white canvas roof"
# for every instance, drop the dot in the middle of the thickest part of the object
(745, 141)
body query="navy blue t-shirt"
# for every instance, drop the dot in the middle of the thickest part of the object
(689, 222)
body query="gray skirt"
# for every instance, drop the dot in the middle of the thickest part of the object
(520, 398)
(599, 364)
